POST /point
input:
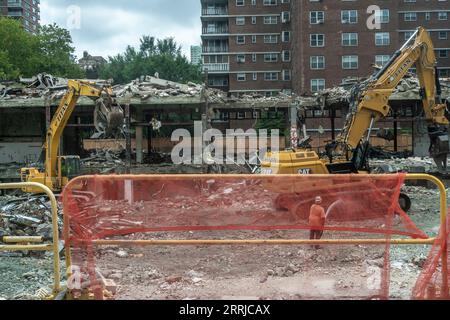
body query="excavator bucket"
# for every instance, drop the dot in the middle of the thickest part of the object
(108, 118)
(440, 146)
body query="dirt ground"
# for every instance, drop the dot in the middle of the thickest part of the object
(243, 272)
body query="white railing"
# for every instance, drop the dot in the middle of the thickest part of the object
(215, 30)
(215, 67)
(215, 49)
(215, 12)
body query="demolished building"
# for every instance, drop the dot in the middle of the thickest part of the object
(26, 109)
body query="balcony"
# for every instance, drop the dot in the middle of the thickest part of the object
(215, 30)
(219, 11)
(216, 67)
(219, 49)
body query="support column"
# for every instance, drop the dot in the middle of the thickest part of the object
(333, 124)
(139, 139)
(128, 136)
(395, 132)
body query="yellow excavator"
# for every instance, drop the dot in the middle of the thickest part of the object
(369, 103)
(58, 170)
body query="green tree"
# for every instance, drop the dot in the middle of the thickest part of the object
(25, 54)
(56, 52)
(17, 47)
(162, 56)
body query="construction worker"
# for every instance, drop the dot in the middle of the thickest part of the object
(317, 220)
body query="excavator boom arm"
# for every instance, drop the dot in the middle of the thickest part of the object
(373, 102)
(76, 89)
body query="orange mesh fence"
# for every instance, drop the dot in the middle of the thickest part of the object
(101, 207)
(433, 282)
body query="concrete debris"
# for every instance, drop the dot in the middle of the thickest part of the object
(26, 216)
(40, 86)
(411, 165)
(150, 87)
(104, 157)
(147, 87)
(122, 254)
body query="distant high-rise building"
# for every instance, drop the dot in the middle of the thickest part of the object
(27, 11)
(196, 54)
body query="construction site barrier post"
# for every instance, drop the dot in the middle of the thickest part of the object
(53, 247)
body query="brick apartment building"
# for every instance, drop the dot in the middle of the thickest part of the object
(246, 45)
(282, 45)
(28, 11)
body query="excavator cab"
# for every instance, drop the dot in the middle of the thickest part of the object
(69, 166)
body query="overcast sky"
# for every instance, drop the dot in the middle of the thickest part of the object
(107, 27)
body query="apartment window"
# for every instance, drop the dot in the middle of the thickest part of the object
(349, 16)
(253, 20)
(317, 40)
(270, 39)
(271, 20)
(240, 58)
(240, 39)
(254, 57)
(317, 85)
(286, 36)
(349, 39)
(316, 17)
(286, 75)
(408, 34)
(240, 3)
(271, 76)
(241, 77)
(270, 2)
(317, 62)
(443, 16)
(253, 39)
(285, 17)
(443, 54)
(240, 21)
(255, 76)
(270, 57)
(381, 60)
(350, 62)
(382, 39)
(382, 16)
(443, 35)
(286, 54)
(410, 16)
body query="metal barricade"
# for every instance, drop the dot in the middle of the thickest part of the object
(409, 177)
(23, 243)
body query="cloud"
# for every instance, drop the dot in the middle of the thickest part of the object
(107, 27)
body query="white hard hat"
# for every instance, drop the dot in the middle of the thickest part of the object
(318, 199)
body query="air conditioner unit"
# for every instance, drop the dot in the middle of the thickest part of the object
(320, 22)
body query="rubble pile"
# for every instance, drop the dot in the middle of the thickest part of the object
(151, 87)
(26, 216)
(107, 159)
(40, 86)
(411, 165)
